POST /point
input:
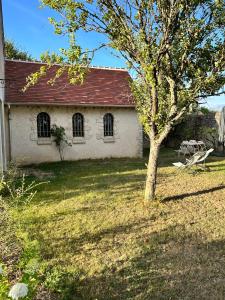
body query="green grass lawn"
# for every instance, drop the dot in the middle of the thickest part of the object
(91, 217)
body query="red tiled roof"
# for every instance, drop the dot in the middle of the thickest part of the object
(108, 87)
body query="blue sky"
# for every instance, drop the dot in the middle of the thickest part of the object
(27, 25)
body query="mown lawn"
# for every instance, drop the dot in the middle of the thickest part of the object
(91, 219)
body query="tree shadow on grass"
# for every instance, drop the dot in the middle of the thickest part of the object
(98, 167)
(64, 188)
(101, 239)
(173, 264)
(197, 193)
(56, 217)
(217, 167)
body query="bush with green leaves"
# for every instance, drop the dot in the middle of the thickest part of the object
(62, 281)
(60, 139)
(196, 127)
(210, 136)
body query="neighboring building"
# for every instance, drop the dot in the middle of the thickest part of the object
(2, 97)
(99, 116)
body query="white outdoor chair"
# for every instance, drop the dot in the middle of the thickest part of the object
(205, 155)
(189, 162)
(197, 158)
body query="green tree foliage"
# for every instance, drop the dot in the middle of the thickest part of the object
(13, 52)
(176, 48)
(204, 110)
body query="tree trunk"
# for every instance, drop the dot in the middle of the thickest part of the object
(60, 152)
(152, 172)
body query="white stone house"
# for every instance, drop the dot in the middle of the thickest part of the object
(99, 116)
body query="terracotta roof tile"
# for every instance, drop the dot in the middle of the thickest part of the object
(101, 87)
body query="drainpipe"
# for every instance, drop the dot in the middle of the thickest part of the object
(9, 133)
(1, 141)
(2, 128)
(2, 94)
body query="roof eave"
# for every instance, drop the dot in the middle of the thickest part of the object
(70, 104)
(44, 63)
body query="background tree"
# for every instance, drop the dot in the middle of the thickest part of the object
(176, 48)
(12, 51)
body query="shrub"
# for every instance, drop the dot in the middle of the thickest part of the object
(9, 179)
(22, 193)
(60, 139)
(209, 136)
(15, 188)
(62, 282)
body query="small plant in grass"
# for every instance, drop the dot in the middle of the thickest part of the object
(15, 193)
(3, 188)
(22, 193)
(63, 282)
(9, 179)
(14, 189)
(60, 139)
(4, 284)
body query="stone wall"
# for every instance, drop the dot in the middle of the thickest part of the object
(27, 148)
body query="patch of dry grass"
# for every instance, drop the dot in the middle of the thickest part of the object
(91, 217)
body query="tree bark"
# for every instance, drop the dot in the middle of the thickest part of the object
(152, 172)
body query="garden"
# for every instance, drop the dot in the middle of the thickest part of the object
(88, 234)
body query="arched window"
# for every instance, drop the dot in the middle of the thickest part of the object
(108, 124)
(43, 125)
(78, 125)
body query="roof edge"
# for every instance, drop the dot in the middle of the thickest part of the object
(69, 104)
(91, 67)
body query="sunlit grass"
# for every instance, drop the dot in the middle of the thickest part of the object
(91, 217)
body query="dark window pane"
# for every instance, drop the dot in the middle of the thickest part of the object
(43, 125)
(78, 125)
(108, 124)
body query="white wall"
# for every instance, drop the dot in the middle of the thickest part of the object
(27, 148)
